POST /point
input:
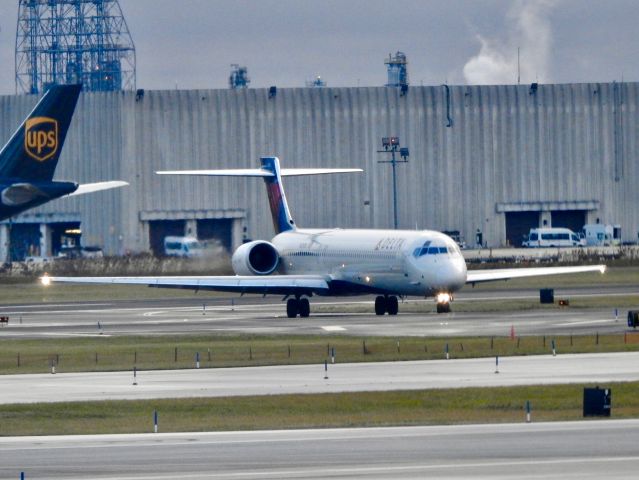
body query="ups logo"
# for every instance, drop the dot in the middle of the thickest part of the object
(41, 138)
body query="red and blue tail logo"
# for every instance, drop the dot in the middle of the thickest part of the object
(282, 220)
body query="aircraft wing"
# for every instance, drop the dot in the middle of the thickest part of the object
(96, 187)
(477, 276)
(260, 172)
(271, 284)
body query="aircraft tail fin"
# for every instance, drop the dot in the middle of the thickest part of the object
(272, 175)
(282, 218)
(33, 151)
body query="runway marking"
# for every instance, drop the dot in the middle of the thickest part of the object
(50, 305)
(57, 334)
(333, 328)
(318, 471)
(585, 322)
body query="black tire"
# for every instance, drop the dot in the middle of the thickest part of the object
(443, 308)
(392, 305)
(304, 307)
(380, 305)
(292, 307)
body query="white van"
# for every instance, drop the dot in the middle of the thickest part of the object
(602, 235)
(187, 247)
(553, 237)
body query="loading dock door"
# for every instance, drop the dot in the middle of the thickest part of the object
(572, 219)
(218, 228)
(518, 225)
(158, 229)
(24, 239)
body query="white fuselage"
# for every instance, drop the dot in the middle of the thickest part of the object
(400, 262)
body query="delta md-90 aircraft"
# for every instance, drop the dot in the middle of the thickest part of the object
(299, 263)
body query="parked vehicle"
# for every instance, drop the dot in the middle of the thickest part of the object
(36, 260)
(187, 247)
(76, 251)
(599, 234)
(553, 237)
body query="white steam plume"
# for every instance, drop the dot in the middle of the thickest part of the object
(530, 31)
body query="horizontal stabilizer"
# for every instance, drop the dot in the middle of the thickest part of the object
(98, 186)
(259, 172)
(477, 276)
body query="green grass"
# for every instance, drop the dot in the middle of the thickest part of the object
(367, 409)
(32, 292)
(159, 352)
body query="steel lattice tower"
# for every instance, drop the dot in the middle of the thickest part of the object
(73, 41)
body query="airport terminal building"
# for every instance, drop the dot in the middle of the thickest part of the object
(495, 160)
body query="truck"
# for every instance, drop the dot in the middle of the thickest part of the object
(598, 234)
(553, 237)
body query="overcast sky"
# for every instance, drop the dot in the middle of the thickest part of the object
(191, 43)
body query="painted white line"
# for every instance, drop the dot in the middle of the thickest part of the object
(585, 322)
(333, 328)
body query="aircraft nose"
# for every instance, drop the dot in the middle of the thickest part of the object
(452, 276)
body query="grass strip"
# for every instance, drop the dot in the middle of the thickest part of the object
(366, 409)
(164, 352)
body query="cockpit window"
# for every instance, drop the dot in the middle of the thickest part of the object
(420, 251)
(428, 249)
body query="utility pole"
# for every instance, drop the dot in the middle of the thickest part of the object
(391, 145)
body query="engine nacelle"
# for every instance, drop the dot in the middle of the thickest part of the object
(255, 258)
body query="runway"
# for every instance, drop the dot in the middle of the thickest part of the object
(349, 377)
(256, 315)
(581, 450)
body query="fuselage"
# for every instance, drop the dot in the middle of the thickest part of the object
(396, 262)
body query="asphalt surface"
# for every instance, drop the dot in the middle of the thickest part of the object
(255, 315)
(581, 450)
(348, 377)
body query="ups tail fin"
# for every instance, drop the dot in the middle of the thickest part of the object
(272, 175)
(33, 151)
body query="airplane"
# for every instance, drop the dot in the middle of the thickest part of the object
(28, 160)
(299, 263)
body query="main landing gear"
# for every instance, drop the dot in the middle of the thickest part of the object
(386, 304)
(298, 306)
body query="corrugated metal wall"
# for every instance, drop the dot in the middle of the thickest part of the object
(506, 145)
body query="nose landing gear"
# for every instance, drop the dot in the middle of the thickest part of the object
(386, 304)
(443, 302)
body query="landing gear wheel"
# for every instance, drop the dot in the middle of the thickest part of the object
(380, 305)
(443, 308)
(392, 306)
(292, 307)
(304, 307)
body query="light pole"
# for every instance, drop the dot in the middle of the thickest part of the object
(391, 145)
